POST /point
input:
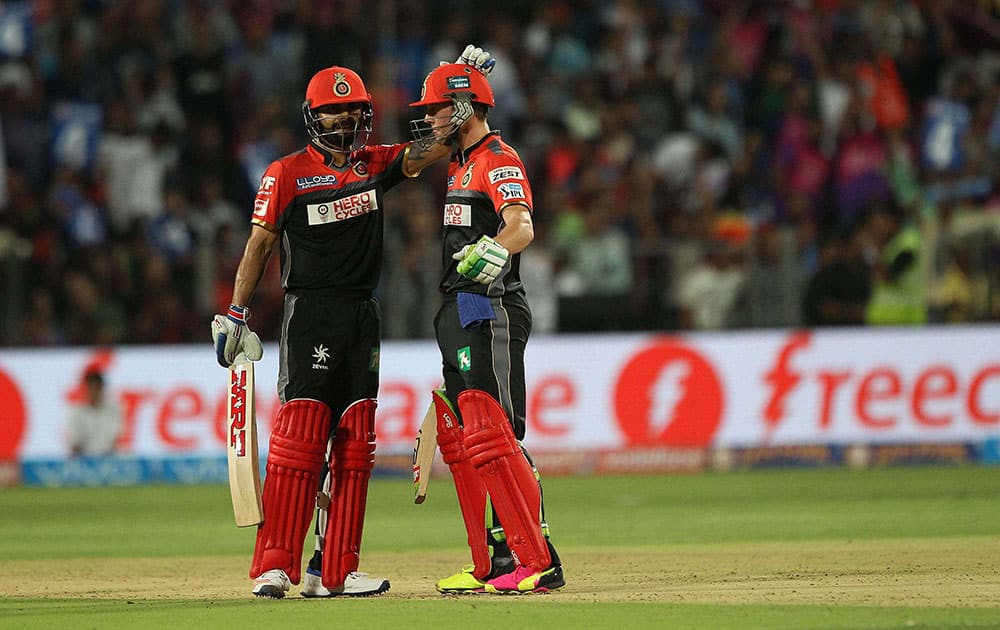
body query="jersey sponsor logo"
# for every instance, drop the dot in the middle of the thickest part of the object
(303, 183)
(464, 357)
(511, 190)
(341, 209)
(260, 207)
(461, 82)
(458, 214)
(321, 354)
(266, 184)
(451, 181)
(468, 176)
(505, 172)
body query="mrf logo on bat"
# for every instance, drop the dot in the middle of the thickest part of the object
(238, 404)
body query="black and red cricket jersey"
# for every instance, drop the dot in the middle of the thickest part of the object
(329, 218)
(485, 179)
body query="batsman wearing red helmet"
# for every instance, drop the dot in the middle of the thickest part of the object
(482, 329)
(324, 205)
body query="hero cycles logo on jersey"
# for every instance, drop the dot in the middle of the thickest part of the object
(304, 183)
(344, 208)
(458, 214)
(238, 407)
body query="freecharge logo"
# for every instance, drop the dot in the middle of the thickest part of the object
(13, 417)
(668, 394)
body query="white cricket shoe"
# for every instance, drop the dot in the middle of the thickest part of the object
(273, 583)
(356, 585)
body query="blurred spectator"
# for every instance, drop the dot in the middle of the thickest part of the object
(838, 293)
(95, 422)
(133, 135)
(771, 295)
(898, 289)
(707, 294)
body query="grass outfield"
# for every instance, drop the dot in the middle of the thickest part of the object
(900, 547)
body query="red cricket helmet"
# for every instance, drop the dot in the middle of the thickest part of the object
(337, 85)
(454, 78)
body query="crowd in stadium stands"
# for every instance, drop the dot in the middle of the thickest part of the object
(696, 164)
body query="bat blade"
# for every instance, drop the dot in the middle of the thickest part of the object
(423, 454)
(241, 449)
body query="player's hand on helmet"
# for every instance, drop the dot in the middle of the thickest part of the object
(482, 261)
(477, 58)
(232, 337)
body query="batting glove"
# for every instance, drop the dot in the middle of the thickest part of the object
(231, 337)
(477, 58)
(483, 261)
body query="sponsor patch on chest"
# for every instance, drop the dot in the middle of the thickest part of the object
(458, 214)
(343, 208)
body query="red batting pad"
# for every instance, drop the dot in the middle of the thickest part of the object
(294, 460)
(468, 484)
(512, 486)
(351, 462)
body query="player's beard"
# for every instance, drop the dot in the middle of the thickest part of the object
(341, 137)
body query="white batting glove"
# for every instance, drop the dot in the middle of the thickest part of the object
(482, 261)
(231, 337)
(477, 58)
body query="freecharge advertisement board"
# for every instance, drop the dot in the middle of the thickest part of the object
(609, 393)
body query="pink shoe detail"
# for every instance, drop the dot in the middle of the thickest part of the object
(512, 581)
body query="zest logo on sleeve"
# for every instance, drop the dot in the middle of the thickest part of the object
(505, 172)
(343, 208)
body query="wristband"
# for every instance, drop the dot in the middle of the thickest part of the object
(239, 314)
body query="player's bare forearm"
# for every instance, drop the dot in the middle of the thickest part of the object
(418, 156)
(518, 230)
(255, 257)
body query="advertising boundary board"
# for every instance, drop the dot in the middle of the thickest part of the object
(595, 403)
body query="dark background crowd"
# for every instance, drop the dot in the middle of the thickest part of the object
(696, 164)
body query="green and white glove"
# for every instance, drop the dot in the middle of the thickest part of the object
(482, 261)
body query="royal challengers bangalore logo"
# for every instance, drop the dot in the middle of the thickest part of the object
(467, 177)
(340, 85)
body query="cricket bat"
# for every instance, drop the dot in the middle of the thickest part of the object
(244, 470)
(423, 454)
